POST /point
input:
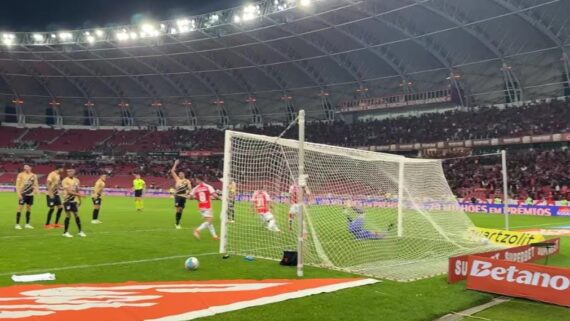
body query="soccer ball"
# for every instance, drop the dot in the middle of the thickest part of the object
(191, 264)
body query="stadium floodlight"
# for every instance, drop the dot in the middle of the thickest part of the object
(8, 39)
(237, 19)
(173, 31)
(99, 33)
(65, 36)
(90, 39)
(250, 12)
(185, 25)
(38, 37)
(53, 36)
(148, 30)
(133, 35)
(122, 35)
(305, 3)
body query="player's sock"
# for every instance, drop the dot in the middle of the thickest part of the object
(137, 204)
(66, 224)
(203, 226)
(18, 215)
(95, 214)
(141, 204)
(78, 222)
(49, 215)
(178, 218)
(212, 230)
(28, 216)
(58, 215)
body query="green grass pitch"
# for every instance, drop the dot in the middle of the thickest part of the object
(133, 246)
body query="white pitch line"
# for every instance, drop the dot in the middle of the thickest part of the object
(87, 266)
(92, 233)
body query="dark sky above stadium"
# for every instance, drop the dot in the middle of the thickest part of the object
(40, 15)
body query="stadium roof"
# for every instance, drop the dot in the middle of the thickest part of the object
(302, 52)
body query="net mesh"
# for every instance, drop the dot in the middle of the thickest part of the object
(368, 213)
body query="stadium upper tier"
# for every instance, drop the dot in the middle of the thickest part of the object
(459, 125)
(261, 62)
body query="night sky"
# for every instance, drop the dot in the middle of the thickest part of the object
(48, 15)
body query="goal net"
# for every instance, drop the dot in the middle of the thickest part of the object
(368, 213)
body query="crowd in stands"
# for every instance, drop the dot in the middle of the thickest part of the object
(542, 175)
(539, 174)
(480, 123)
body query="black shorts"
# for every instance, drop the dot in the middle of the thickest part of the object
(70, 207)
(53, 201)
(96, 200)
(138, 192)
(26, 200)
(179, 201)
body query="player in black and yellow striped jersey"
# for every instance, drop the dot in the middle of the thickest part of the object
(96, 198)
(53, 185)
(139, 185)
(26, 186)
(71, 201)
(182, 188)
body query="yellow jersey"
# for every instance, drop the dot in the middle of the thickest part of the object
(98, 188)
(70, 185)
(27, 184)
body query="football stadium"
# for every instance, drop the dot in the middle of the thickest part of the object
(173, 160)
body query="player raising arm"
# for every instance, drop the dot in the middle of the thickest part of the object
(262, 204)
(204, 194)
(26, 186)
(181, 188)
(96, 198)
(71, 199)
(53, 183)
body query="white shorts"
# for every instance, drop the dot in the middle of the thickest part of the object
(295, 209)
(266, 217)
(206, 213)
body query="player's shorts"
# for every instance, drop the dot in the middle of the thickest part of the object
(138, 192)
(266, 217)
(26, 200)
(206, 213)
(179, 201)
(70, 207)
(295, 209)
(53, 201)
(96, 200)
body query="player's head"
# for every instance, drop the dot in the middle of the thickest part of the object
(27, 168)
(137, 176)
(199, 179)
(182, 175)
(103, 177)
(60, 169)
(70, 172)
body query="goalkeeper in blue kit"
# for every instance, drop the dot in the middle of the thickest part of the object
(356, 224)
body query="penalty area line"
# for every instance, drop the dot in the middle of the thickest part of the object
(87, 266)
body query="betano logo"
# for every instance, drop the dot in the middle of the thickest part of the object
(165, 301)
(483, 269)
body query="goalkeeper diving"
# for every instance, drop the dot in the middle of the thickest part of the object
(355, 216)
(261, 202)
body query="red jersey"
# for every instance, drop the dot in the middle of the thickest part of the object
(203, 193)
(294, 194)
(261, 201)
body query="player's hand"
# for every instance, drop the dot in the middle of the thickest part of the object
(20, 197)
(176, 162)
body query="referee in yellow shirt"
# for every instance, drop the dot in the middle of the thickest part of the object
(139, 186)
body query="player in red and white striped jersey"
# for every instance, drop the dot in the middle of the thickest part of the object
(204, 194)
(262, 205)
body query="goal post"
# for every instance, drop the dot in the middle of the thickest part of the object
(368, 213)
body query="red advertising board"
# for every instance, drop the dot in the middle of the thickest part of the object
(459, 265)
(523, 280)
